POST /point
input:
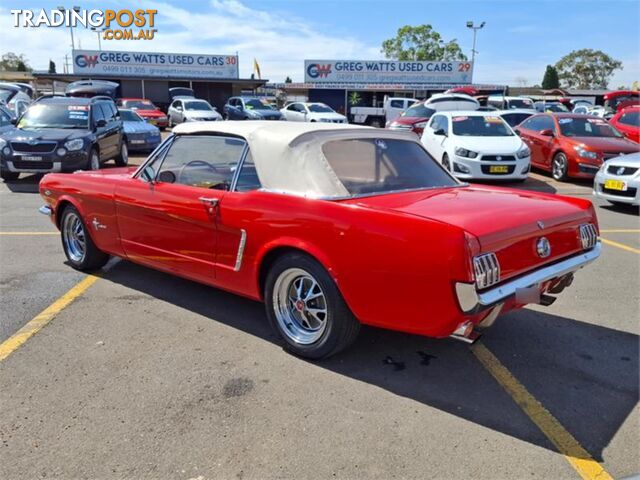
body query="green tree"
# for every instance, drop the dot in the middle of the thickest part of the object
(586, 68)
(550, 79)
(52, 66)
(14, 63)
(354, 98)
(421, 43)
(288, 80)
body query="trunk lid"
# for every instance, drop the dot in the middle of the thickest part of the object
(505, 221)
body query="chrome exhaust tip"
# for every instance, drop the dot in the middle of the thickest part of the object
(465, 333)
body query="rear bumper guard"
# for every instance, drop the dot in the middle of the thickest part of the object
(472, 301)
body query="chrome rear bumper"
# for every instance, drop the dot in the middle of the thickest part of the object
(472, 302)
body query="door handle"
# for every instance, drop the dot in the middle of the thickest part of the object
(212, 202)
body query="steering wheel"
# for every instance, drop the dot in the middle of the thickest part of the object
(195, 163)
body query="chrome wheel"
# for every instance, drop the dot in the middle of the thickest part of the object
(559, 167)
(95, 161)
(73, 237)
(300, 306)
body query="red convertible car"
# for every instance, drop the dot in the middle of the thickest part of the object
(332, 226)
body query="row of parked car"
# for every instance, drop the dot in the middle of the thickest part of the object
(476, 142)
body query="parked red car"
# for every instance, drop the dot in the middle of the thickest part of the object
(572, 145)
(414, 119)
(627, 121)
(330, 225)
(147, 110)
(616, 100)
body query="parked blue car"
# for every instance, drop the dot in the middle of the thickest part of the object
(140, 135)
(250, 108)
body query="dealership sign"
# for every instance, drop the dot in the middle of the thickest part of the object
(143, 64)
(385, 71)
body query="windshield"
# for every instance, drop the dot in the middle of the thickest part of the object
(630, 118)
(140, 105)
(197, 105)
(617, 100)
(587, 127)
(130, 116)
(255, 104)
(419, 110)
(375, 165)
(520, 103)
(476, 126)
(319, 108)
(514, 119)
(553, 107)
(55, 116)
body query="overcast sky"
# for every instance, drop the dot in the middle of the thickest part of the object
(520, 37)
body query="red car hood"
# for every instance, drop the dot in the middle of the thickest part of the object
(505, 221)
(606, 144)
(150, 113)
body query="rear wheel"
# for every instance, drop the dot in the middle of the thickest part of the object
(306, 308)
(376, 122)
(559, 167)
(77, 244)
(9, 176)
(123, 157)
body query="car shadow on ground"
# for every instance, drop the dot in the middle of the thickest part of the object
(585, 375)
(530, 184)
(27, 183)
(622, 208)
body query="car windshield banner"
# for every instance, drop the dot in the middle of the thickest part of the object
(145, 64)
(387, 71)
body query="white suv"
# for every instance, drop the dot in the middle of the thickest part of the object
(477, 145)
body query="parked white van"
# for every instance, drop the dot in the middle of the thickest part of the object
(444, 102)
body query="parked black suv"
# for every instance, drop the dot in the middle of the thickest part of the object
(64, 134)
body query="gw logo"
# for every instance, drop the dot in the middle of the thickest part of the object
(86, 61)
(316, 70)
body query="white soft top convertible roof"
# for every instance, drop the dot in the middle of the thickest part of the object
(288, 155)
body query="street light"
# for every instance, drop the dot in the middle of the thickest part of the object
(475, 31)
(75, 9)
(98, 31)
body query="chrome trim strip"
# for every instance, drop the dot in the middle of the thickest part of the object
(542, 275)
(241, 245)
(46, 210)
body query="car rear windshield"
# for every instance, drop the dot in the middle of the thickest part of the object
(587, 127)
(419, 110)
(514, 119)
(140, 105)
(477, 126)
(129, 116)
(55, 116)
(319, 108)
(377, 165)
(197, 105)
(520, 103)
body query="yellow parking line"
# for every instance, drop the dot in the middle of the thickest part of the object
(620, 230)
(566, 444)
(620, 245)
(29, 233)
(14, 342)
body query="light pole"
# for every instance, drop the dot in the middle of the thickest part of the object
(99, 31)
(75, 9)
(475, 32)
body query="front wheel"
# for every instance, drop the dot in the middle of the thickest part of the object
(306, 308)
(77, 244)
(94, 160)
(560, 167)
(446, 163)
(123, 157)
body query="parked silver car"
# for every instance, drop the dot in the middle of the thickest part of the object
(618, 180)
(191, 110)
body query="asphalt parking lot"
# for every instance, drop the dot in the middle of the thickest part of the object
(144, 375)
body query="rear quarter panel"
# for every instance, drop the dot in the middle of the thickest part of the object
(394, 270)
